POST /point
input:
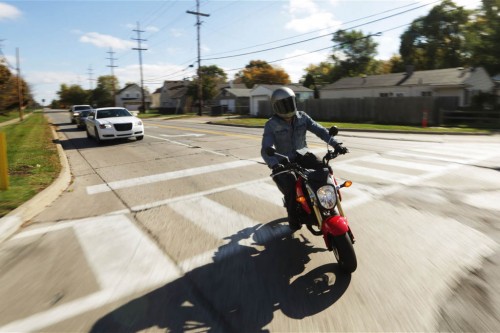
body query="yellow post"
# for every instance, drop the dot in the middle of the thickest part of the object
(4, 165)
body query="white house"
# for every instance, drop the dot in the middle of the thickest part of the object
(173, 96)
(263, 92)
(130, 97)
(463, 83)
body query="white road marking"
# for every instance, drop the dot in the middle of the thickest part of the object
(123, 260)
(374, 173)
(187, 145)
(181, 135)
(400, 163)
(263, 190)
(194, 195)
(131, 182)
(212, 217)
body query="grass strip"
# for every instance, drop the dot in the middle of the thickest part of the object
(33, 161)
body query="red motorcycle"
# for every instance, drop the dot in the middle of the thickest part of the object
(319, 205)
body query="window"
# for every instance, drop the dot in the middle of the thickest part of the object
(386, 94)
(426, 93)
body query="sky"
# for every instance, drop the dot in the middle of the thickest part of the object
(75, 42)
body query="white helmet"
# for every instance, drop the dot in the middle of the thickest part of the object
(283, 102)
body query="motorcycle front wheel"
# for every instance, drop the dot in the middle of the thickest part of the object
(344, 252)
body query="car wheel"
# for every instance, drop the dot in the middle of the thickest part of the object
(140, 137)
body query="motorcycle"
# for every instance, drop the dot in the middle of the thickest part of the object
(319, 207)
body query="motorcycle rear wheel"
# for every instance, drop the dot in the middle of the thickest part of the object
(344, 252)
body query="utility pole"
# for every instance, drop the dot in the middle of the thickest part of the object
(198, 24)
(19, 85)
(111, 65)
(89, 72)
(140, 49)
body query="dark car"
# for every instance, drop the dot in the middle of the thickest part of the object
(81, 117)
(75, 110)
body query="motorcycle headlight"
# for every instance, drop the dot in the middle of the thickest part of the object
(327, 196)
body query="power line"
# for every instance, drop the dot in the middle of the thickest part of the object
(317, 37)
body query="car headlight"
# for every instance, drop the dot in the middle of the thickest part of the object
(103, 126)
(75, 114)
(138, 123)
(327, 196)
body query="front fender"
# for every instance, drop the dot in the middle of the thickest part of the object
(335, 225)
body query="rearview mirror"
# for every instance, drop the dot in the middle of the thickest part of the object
(270, 151)
(333, 131)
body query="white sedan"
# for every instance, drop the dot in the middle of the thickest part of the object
(113, 123)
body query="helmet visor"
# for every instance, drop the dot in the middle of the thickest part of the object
(285, 107)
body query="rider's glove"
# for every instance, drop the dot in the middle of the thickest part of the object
(341, 150)
(278, 167)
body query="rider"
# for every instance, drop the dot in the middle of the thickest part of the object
(286, 131)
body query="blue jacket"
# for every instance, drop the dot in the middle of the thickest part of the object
(288, 138)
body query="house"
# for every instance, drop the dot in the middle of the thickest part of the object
(462, 83)
(233, 98)
(130, 97)
(262, 93)
(173, 96)
(155, 99)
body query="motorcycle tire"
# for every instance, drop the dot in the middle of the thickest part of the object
(344, 252)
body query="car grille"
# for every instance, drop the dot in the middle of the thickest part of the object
(123, 127)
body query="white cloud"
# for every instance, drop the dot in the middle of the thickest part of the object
(306, 16)
(8, 12)
(106, 41)
(468, 4)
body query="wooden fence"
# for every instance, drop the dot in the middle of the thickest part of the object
(394, 110)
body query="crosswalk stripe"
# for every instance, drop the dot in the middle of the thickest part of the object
(373, 173)
(400, 163)
(120, 184)
(269, 192)
(425, 156)
(214, 218)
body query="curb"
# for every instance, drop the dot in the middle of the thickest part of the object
(11, 222)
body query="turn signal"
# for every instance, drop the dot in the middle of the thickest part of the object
(301, 199)
(347, 183)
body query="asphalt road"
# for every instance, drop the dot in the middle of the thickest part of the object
(185, 231)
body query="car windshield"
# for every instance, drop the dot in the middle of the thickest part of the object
(84, 113)
(80, 108)
(110, 113)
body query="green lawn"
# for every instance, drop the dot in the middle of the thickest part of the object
(33, 161)
(248, 121)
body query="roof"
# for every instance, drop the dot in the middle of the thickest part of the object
(239, 92)
(296, 87)
(448, 76)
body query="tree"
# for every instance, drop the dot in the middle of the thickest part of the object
(71, 95)
(437, 40)
(103, 94)
(211, 77)
(484, 37)
(9, 90)
(260, 72)
(354, 54)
